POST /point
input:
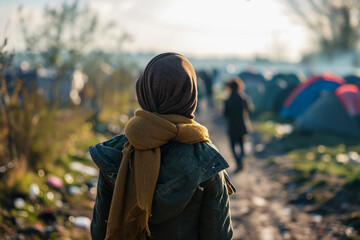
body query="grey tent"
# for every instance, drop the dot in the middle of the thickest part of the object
(277, 89)
(328, 114)
(254, 87)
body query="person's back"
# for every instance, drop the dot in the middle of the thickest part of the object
(177, 189)
(235, 110)
(235, 106)
(181, 205)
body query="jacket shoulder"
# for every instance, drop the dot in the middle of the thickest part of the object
(183, 168)
(194, 162)
(108, 155)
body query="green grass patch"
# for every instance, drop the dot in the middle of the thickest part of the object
(325, 163)
(312, 154)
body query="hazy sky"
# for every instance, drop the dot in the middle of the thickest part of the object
(202, 28)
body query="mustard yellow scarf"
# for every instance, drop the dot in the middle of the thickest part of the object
(139, 169)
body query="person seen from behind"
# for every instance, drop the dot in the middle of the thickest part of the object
(162, 179)
(236, 111)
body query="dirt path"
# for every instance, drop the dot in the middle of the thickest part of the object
(259, 209)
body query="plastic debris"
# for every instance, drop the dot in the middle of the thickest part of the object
(286, 211)
(34, 191)
(54, 182)
(350, 232)
(68, 178)
(75, 190)
(259, 147)
(50, 196)
(81, 222)
(258, 201)
(342, 158)
(316, 219)
(284, 129)
(76, 166)
(59, 203)
(41, 173)
(354, 157)
(19, 203)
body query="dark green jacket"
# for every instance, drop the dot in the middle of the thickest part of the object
(190, 201)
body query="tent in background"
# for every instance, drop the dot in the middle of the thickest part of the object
(349, 96)
(306, 93)
(281, 97)
(254, 87)
(353, 79)
(277, 89)
(328, 114)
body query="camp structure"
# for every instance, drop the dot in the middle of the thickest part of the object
(349, 96)
(254, 86)
(277, 89)
(306, 93)
(329, 115)
(352, 79)
(27, 78)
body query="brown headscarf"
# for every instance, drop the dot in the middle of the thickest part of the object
(168, 86)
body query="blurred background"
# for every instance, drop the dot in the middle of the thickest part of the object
(67, 75)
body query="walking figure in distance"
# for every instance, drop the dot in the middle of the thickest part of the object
(162, 179)
(236, 112)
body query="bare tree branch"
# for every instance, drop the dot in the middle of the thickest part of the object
(334, 22)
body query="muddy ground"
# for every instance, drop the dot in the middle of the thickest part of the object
(263, 208)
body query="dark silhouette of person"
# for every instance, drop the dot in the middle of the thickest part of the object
(207, 78)
(235, 111)
(200, 95)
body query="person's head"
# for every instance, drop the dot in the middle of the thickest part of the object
(168, 86)
(235, 85)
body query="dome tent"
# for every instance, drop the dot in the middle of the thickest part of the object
(353, 79)
(277, 89)
(306, 93)
(254, 86)
(349, 96)
(328, 114)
